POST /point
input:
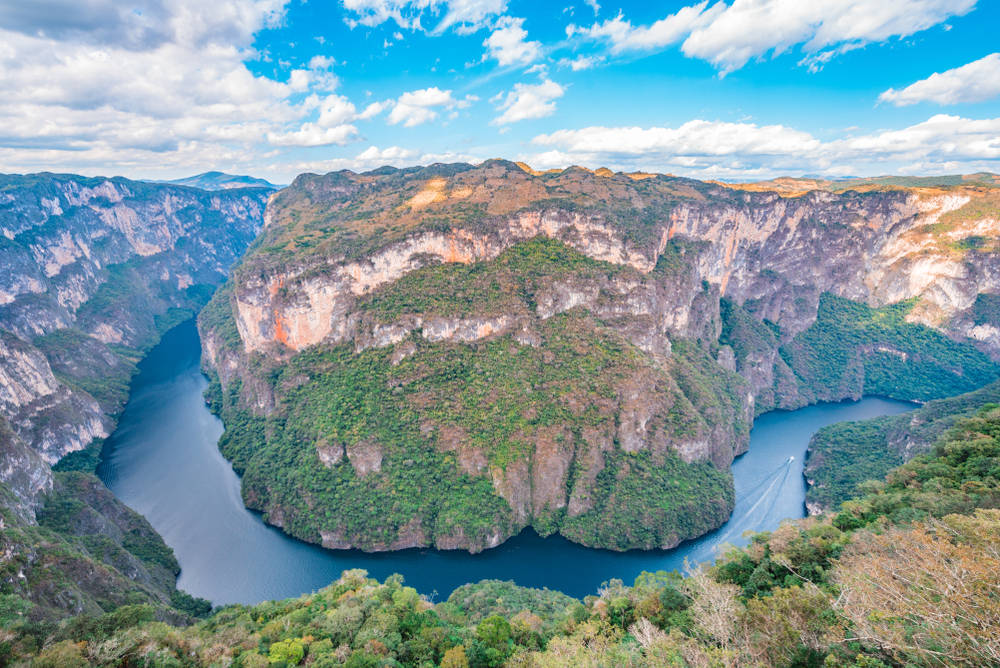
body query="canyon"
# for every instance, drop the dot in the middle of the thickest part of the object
(445, 355)
(94, 270)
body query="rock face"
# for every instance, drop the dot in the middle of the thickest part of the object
(94, 269)
(406, 293)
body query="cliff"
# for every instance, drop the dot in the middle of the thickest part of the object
(93, 270)
(444, 355)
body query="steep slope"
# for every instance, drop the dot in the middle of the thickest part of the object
(94, 270)
(86, 554)
(444, 355)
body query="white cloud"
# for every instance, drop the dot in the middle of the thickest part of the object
(581, 62)
(312, 134)
(716, 148)
(729, 36)
(373, 158)
(141, 25)
(470, 15)
(508, 43)
(976, 82)
(374, 109)
(163, 88)
(417, 107)
(336, 110)
(372, 155)
(466, 15)
(321, 63)
(593, 5)
(528, 101)
(623, 36)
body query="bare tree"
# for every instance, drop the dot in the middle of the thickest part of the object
(930, 595)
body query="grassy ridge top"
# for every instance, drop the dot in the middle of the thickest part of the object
(340, 213)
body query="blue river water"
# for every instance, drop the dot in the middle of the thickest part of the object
(164, 462)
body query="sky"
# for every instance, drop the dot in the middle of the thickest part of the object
(727, 89)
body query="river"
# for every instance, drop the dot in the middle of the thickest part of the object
(164, 462)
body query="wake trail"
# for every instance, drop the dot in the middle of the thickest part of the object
(763, 497)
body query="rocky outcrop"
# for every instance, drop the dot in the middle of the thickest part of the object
(879, 248)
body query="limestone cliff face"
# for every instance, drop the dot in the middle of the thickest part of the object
(91, 263)
(312, 303)
(879, 248)
(361, 262)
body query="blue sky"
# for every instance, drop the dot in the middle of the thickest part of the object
(734, 89)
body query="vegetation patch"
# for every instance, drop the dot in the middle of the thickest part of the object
(853, 350)
(844, 455)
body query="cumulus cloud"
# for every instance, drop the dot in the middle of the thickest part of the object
(580, 62)
(336, 110)
(729, 36)
(417, 107)
(716, 148)
(321, 63)
(508, 44)
(528, 101)
(109, 81)
(623, 36)
(139, 25)
(313, 134)
(470, 15)
(374, 109)
(466, 15)
(976, 82)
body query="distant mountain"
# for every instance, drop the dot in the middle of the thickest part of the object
(220, 181)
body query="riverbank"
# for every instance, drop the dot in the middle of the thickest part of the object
(164, 462)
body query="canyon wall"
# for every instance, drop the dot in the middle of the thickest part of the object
(93, 270)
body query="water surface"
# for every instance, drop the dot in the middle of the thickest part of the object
(164, 462)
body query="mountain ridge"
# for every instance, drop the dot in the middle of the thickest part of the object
(214, 181)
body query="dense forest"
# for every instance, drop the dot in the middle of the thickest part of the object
(904, 575)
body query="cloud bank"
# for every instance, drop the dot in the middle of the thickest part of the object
(716, 148)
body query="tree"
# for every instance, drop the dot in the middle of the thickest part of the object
(289, 651)
(494, 632)
(777, 628)
(455, 658)
(714, 606)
